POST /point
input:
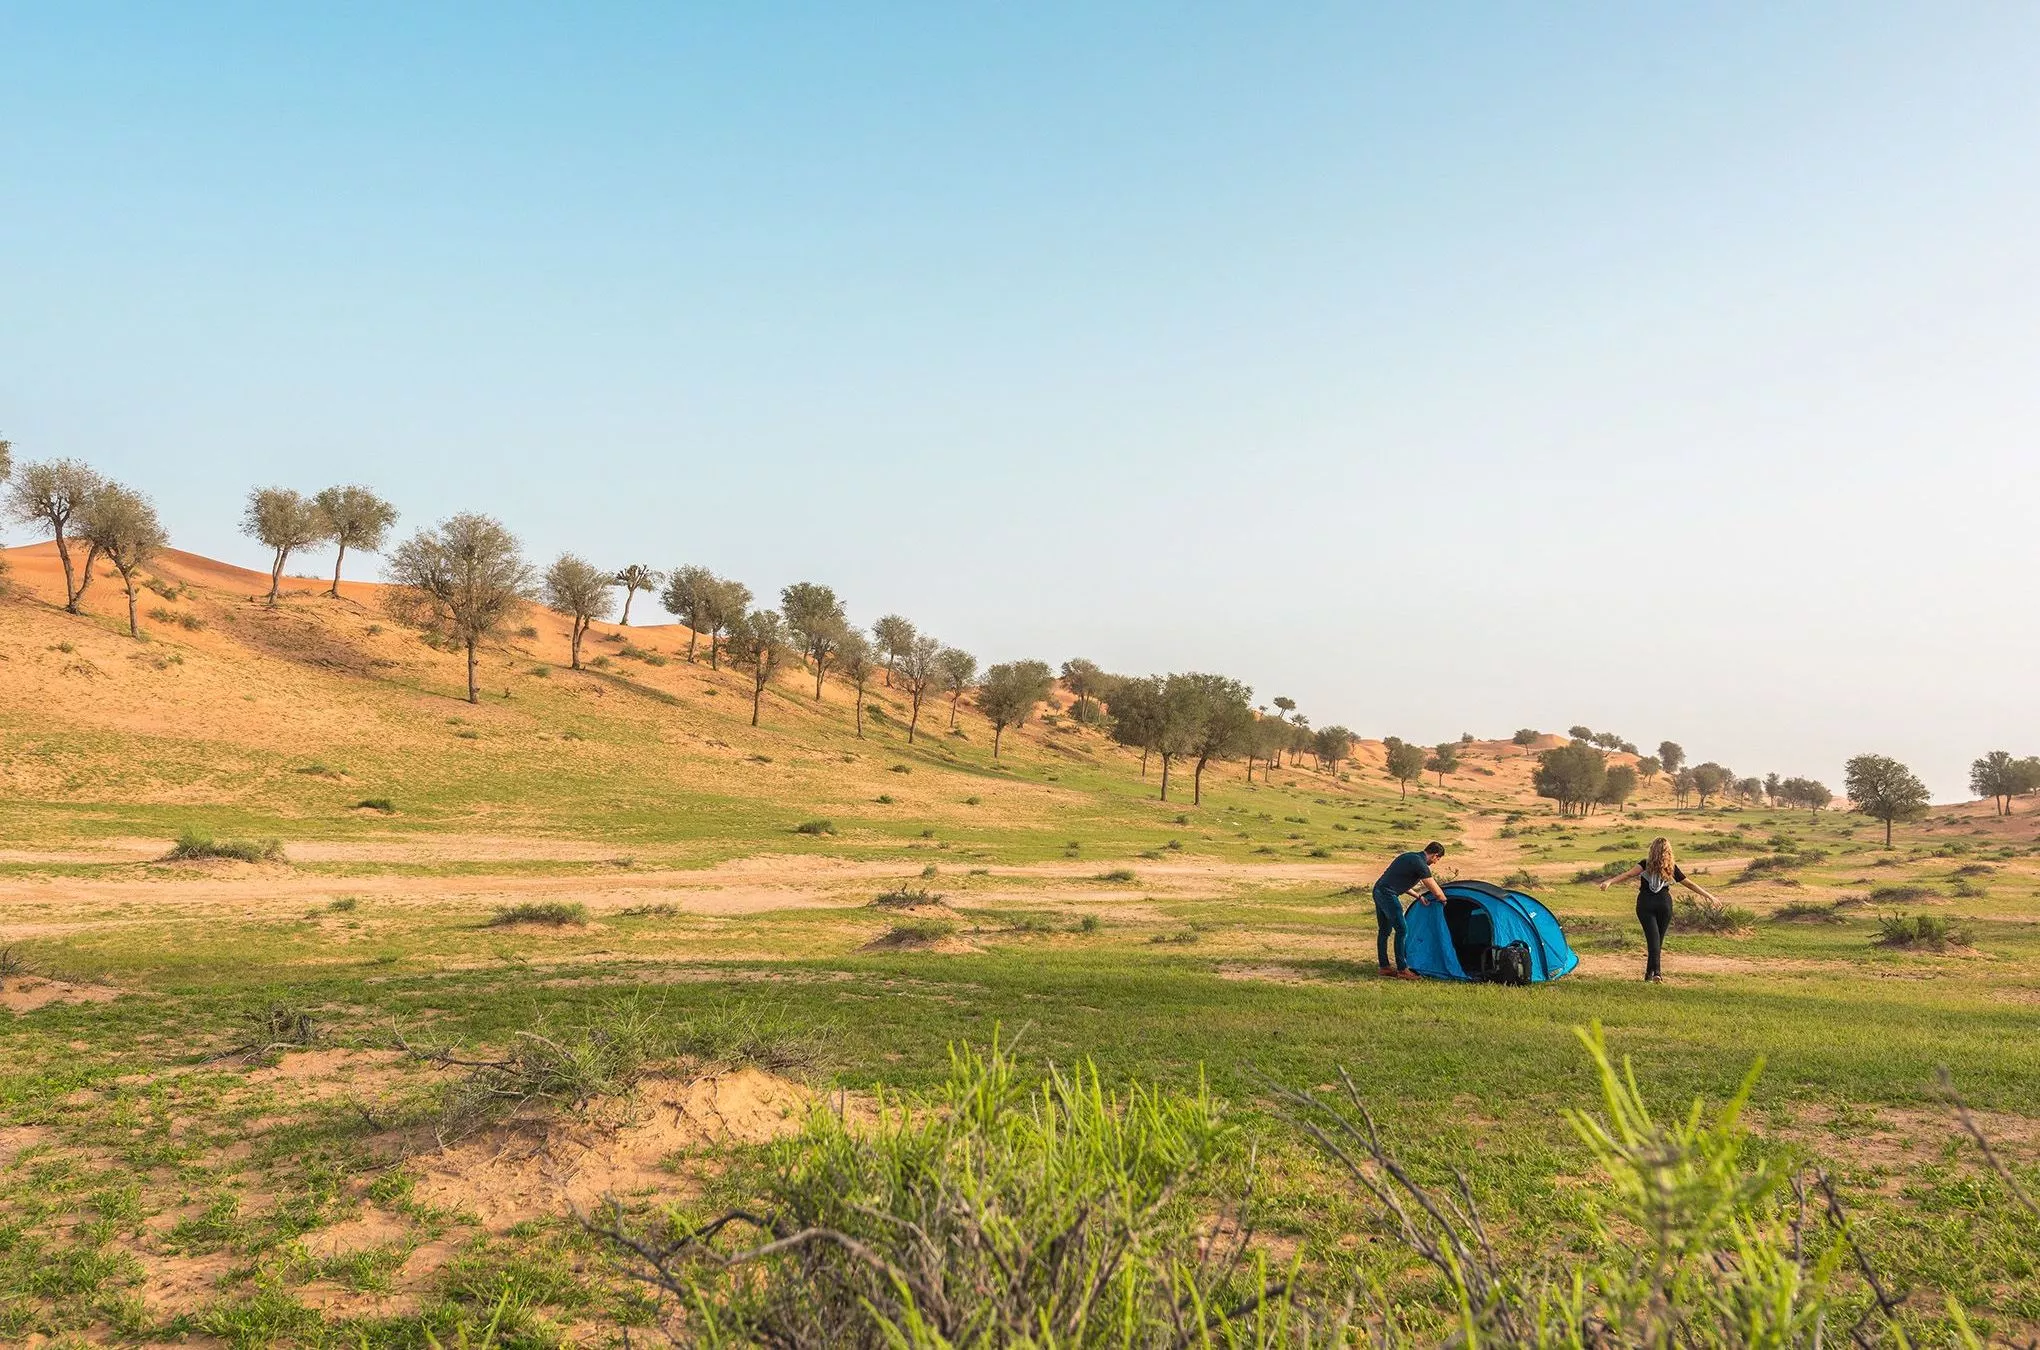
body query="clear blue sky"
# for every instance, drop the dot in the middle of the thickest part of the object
(1671, 370)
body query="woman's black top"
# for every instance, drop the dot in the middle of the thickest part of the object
(1651, 890)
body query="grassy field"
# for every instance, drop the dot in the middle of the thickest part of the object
(208, 1133)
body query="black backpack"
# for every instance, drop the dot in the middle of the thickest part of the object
(1507, 965)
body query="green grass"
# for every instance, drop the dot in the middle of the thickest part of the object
(737, 939)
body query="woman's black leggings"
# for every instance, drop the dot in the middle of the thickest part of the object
(1654, 912)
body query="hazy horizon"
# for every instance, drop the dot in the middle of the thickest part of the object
(1445, 371)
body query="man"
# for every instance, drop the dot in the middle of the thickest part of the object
(1408, 870)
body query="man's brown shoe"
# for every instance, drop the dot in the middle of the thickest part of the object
(1407, 975)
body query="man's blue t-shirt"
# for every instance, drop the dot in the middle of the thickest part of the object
(1406, 871)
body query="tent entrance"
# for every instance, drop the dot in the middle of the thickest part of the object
(1472, 932)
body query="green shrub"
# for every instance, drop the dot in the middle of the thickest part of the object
(382, 804)
(1614, 867)
(1520, 880)
(996, 1210)
(468, 734)
(1780, 862)
(1090, 923)
(552, 913)
(1182, 937)
(345, 904)
(1921, 930)
(815, 827)
(195, 844)
(901, 768)
(1117, 874)
(973, 801)
(1903, 895)
(905, 897)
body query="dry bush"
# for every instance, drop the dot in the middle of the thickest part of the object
(1698, 914)
(552, 913)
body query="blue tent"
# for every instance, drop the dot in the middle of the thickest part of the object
(1446, 941)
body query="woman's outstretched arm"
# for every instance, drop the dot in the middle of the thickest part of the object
(1700, 890)
(1631, 875)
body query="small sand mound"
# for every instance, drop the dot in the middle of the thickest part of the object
(1276, 974)
(367, 1230)
(16, 1140)
(26, 994)
(529, 1169)
(318, 1075)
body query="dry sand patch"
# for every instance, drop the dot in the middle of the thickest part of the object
(531, 1169)
(24, 994)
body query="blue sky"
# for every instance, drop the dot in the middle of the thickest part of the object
(1450, 368)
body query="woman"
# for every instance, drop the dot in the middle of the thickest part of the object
(1654, 877)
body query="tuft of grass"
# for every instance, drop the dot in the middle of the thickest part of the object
(1921, 930)
(1903, 895)
(1588, 876)
(973, 801)
(1090, 923)
(554, 913)
(195, 844)
(659, 911)
(1695, 914)
(12, 964)
(345, 904)
(382, 804)
(1117, 874)
(902, 768)
(905, 897)
(1811, 911)
(1182, 937)
(468, 734)
(884, 799)
(815, 827)
(1519, 880)
(918, 932)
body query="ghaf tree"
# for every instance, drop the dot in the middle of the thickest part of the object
(121, 526)
(55, 493)
(1884, 789)
(577, 588)
(1009, 693)
(635, 577)
(352, 517)
(757, 642)
(467, 575)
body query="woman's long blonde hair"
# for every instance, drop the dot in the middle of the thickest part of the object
(1661, 863)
